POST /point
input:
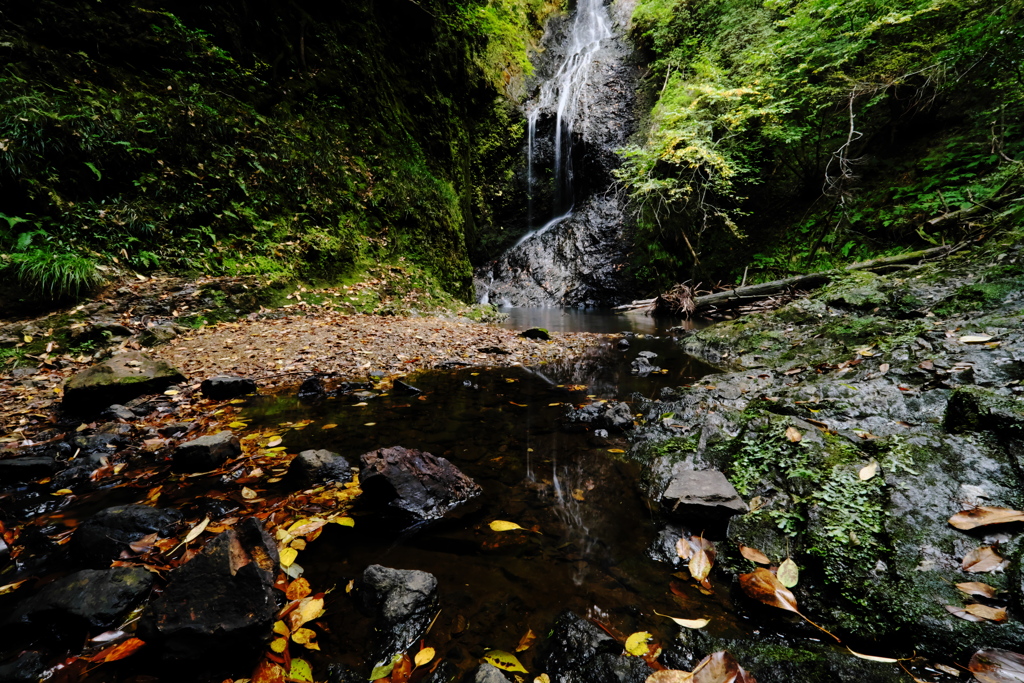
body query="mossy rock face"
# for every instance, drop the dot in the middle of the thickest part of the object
(860, 289)
(118, 379)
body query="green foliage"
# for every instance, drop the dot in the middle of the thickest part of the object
(799, 134)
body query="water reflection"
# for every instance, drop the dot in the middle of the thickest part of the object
(602, 321)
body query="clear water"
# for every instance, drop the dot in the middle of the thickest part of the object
(505, 428)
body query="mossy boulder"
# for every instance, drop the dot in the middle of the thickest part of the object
(118, 379)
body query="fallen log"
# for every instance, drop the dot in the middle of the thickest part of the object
(739, 296)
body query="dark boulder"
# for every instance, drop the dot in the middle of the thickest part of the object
(417, 484)
(642, 366)
(21, 468)
(536, 333)
(224, 387)
(117, 380)
(118, 412)
(29, 667)
(103, 537)
(312, 389)
(92, 598)
(221, 602)
(402, 603)
(313, 467)
(573, 647)
(206, 453)
(616, 417)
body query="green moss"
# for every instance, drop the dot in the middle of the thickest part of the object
(976, 297)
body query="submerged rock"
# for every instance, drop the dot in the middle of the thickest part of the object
(95, 599)
(577, 651)
(417, 484)
(313, 467)
(206, 453)
(487, 673)
(222, 602)
(224, 387)
(117, 380)
(402, 602)
(615, 416)
(103, 537)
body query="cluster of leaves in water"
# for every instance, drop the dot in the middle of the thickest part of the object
(802, 133)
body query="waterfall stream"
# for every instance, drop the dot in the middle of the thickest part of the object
(573, 252)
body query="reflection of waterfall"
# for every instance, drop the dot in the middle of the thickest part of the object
(581, 114)
(569, 510)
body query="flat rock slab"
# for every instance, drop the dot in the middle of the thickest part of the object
(97, 597)
(701, 494)
(118, 379)
(224, 387)
(206, 453)
(313, 467)
(422, 485)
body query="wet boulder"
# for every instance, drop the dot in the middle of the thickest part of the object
(573, 648)
(313, 467)
(28, 667)
(103, 537)
(488, 673)
(414, 484)
(118, 379)
(312, 389)
(21, 468)
(536, 333)
(615, 417)
(95, 599)
(703, 499)
(206, 453)
(221, 602)
(402, 603)
(224, 387)
(642, 366)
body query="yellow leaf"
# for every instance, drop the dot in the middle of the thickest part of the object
(303, 636)
(502, 525)
(248, 493)
(687, 623)
(369, 424)
(503, 660)
(526, 641)
(300, 671)
(344, 521)
(616, 450)
(788, 573)
(279, 645)
(636, 644)
(238, 425)
(63, 492)
(276, 441)
(868, 471)
(27, 338)
(543, 678)
(975, 338)
(424, 656)
(281, 628)
(288, 556)
(308, 610)
(330, 426)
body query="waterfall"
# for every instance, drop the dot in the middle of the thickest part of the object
(573, 251)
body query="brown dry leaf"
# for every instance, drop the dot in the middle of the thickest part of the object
(701, 543)
(670, 676)
(308, 609)
(868, 471)
(683, 548)
(248, 493)
(982, 560)
(720, 667)
(793, 434)
(700, 565)
(873, 658)
(298, 589)
(976, 588)
(962, 613)
(996, 614)
(268, 672)
(754, 555)
(197, 530)
(983, 516)
(125, 648)
(997, 666)
(528, 639)
(765, 587)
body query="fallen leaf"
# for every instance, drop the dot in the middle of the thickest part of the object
(298, 589)
(117, 651)
(996, 614)
(700, 565)
(754, 555)
(997, 666)
(975, 338)
(868, 471)
(502, 525)
(872, 658)
(683, 548)
(424, 656)
(983, 516)
(268, 672)
(384, 670)
(197, 530)
(687, 623)
(793, 434)
(788, 573)
(616, 450)
(543, 678)
(300, 671)
(248, 493)
(636, 644)
(765, 587)
(281, 628)
(975, 588)
(670, 676)
(982, 560)
(308, 610)
(277, 441)
(329, 426)
(504, 660)
(720, 667)
(11, 587)
(883, 368)
(287, 556)
(279, 645)
(528, 639)
(962, 613)
(305, 637)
